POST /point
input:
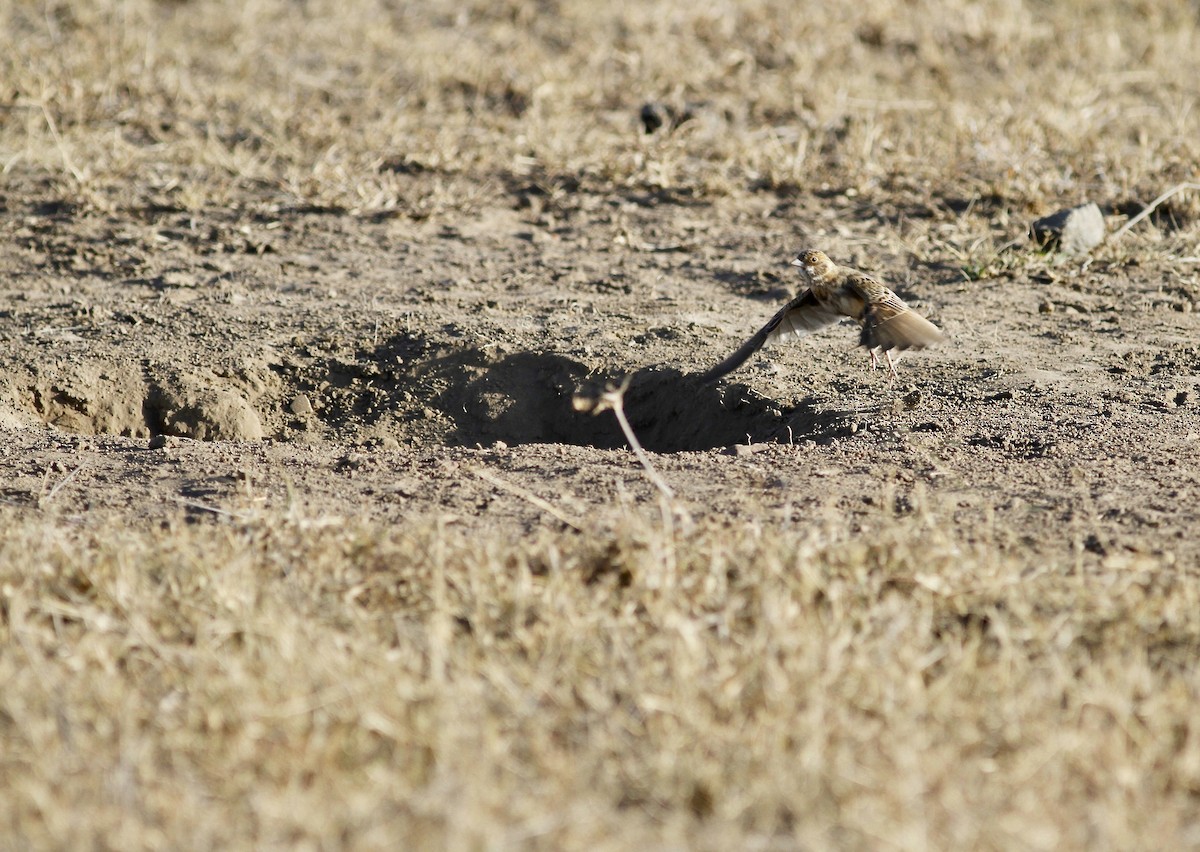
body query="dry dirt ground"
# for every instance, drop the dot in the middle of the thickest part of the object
(376, 368)
(232, 334)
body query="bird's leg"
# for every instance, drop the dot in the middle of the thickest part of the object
(891, 364)
(887, 353)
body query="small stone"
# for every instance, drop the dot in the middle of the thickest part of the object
(655, 115)
(1046, 308)
(1076, 230)
(1178, 397)
(301, 405)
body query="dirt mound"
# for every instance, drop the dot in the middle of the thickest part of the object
(89, 398)
(409, 389)
(108, 398)
(191, 410)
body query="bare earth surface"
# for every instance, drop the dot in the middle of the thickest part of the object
(378, 367)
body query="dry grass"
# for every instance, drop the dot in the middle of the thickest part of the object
(419, 107)
(743, 686)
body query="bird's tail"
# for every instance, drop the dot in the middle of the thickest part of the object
(886, 329)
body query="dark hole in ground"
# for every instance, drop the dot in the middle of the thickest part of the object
(462, 396)
(527, 398)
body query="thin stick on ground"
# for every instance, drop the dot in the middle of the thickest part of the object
(613, 398)
(530, 497)
(59, 487)
(1151, 207)
(205, 507)
(68, 163)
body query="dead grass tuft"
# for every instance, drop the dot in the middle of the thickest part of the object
(210, 104)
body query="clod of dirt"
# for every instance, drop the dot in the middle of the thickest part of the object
(1178, 397)
(301, 405)
(11, 418)
(908, 402)
(204, 414)
(1076, 230)
(90, 398)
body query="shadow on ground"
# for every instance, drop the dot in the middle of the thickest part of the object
(527, 398)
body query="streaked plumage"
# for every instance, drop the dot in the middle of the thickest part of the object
(834, 293)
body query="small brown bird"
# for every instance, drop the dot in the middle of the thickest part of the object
(833, 293)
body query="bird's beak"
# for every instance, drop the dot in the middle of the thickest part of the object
(797, 262)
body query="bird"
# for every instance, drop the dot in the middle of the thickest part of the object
(834, 293)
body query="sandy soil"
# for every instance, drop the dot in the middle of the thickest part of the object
(395, 368)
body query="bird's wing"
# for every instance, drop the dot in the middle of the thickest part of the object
(888, 323)
(797, 318)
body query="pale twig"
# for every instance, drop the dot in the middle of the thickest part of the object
(614, 398)
(54, 491)
(62, 146)
(1151, 207)
(204, 507)
(529, 496)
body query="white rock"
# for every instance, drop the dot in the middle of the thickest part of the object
(1076, 230)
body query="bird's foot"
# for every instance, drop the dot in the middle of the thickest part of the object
(894, 377)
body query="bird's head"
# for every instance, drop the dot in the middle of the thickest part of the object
(814, 264)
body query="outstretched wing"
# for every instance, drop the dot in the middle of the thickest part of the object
(800, 316)
(888, 323)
